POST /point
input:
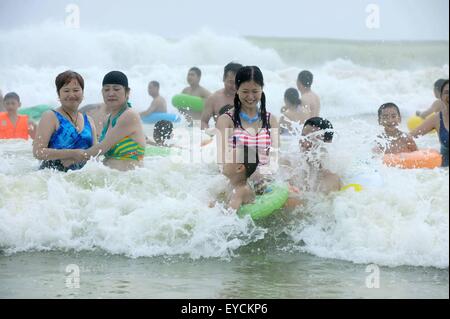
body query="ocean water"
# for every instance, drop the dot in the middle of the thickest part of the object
(150, 234)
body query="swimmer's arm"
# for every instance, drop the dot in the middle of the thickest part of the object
(236, 199)
(45, 129)
(434, 108)
(207, 112)
(94, 130)
(126, 126)
(411, 144)
(427, 126)
(32, 129)
(152, 109)
(205, 93)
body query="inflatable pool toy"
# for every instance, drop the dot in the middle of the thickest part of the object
(419, 159)
(35, 112)
(156, 117)
(188, 102)
(158, 151)
(266, 204)
(415, 121)
(356, 187)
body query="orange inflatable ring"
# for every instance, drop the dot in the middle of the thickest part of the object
(419, 159)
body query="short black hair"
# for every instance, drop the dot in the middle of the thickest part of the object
(224, 109)
(439, 84)
(322, 124)
(306, 78)
(155, 84)
(12, 95)
(196, 71)
(250, 160)
(162, 131)
(387, 106)
(292, 96)
(231, 67)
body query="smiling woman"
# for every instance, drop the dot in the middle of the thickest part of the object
(62, 131)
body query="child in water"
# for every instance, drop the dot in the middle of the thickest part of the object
(162, 133)
(393, 141)
(238, 170)
(13, 125)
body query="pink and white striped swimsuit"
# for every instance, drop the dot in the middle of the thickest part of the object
(261, 141)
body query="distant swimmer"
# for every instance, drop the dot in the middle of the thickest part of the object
(310, 100)
(437, 104)
(195, 89)
(393, 141)
(193, 78)
(222, 97)
(293, 114)
(159, 104)
(12, 124)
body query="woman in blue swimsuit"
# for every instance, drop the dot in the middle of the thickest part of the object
(439, 122)
(62, 131)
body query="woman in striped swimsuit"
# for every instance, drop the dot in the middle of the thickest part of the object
(122, 140)
(249, 123)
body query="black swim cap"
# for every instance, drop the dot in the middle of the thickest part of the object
(115, 77)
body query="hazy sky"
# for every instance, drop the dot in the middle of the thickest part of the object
(344, 19)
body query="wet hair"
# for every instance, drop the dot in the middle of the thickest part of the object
(443, 85)
(292, 96)
(12, 95)
(162, 131)
(439, 84)
(66, 77)
(247, 74)
(196, 71)
(155, 84)
(322, 124)
(387, 106)
(116, 77)
(231, 67)
(224, 109)
(250, 160)
(305, 78)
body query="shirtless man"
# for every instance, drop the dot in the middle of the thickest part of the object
(310, 100)
(159, 104)
(99, 113)
(195, 89)
(222, 97)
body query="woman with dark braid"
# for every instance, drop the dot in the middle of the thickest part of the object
(249, 123)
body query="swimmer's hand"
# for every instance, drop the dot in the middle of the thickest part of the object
(212, 204)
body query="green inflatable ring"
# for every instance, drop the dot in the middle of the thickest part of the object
(266, 204)
(35, 112)
(158, 151)
(188, 102)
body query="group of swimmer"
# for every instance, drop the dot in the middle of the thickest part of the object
(247, 134)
